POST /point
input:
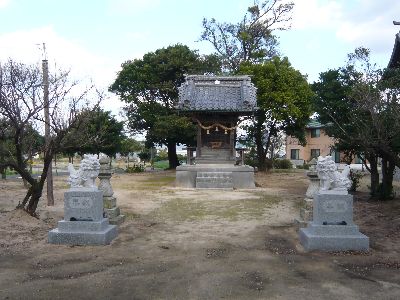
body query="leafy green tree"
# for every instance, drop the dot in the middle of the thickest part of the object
(130, 145)
(100, 132)
(340, 112)
(149, 86)
(284, 104)
(250, 40)
(30, 146)
(361, 106)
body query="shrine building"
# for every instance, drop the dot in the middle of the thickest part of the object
(215, 103)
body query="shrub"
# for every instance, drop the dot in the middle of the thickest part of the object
(162, 164)
(355, 178)
(282, 164)
(136, 168)
(269, 164)
(303, 166)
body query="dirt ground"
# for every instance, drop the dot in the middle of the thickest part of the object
(197, 244)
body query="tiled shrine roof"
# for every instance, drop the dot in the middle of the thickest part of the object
(395, 58)
(217, 93)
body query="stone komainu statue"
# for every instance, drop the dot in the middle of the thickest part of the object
(87, 173)
(330, 178)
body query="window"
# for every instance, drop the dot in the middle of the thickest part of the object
(315, 132)
(359, 159)
(315, 153)
(336, 156)
(294, 154)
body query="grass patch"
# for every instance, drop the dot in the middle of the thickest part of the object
(162, 164)
(159, 179)
(191, 210)
(155, 182)
(287, 170)
(145, 183)
(131, 215)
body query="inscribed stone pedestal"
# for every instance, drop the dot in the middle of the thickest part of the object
(84, 223)
(332, 228)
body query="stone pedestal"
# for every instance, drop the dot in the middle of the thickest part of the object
(111, 210)
(83, 222)
(332, 228)
(215, 176)
(306, 207)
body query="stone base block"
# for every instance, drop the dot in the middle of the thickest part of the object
(79, 226)
(242, 176)
(299, 223)
(118, 220)
(112, 212)
(214, 180)
(306, 214)
(307, 203)
(333, 238)
(114, 216)
(109, 202)
(83, 233)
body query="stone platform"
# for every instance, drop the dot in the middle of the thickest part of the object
(215, 176)
(83, 233)
(332, 228)
(83, 222)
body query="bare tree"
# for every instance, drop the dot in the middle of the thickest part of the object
(21, 108)
(250, 40)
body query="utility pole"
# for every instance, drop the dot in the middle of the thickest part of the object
(45, 67)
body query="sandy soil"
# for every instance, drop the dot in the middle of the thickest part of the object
(197, 244)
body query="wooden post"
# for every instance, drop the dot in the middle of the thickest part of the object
(198, 149)
(232, 142)
(45, 67)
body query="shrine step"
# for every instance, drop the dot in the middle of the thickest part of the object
(207, 161)
(214, 180)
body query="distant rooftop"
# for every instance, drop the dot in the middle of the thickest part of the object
(204, 93)
(313, 123)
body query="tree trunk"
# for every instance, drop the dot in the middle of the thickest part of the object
(34, 198)
(258, 138)
(373, 169)
(386, 191)
(261, 155)
(3, 170)
(35, 190)
(172, 156)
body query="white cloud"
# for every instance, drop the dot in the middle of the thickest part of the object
(26, 46)
(316, 14)
(370, 24)
(356, 22)
(4, 3)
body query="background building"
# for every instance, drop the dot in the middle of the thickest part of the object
(318, 143)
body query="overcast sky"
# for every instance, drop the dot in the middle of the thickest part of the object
(93, 38)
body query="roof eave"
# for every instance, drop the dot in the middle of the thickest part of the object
(394, 61)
